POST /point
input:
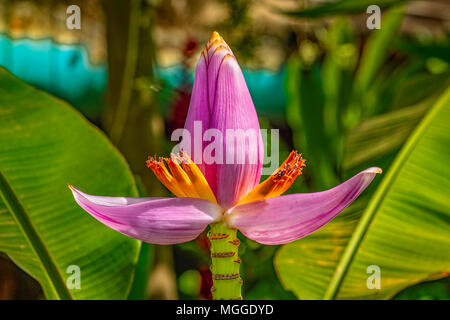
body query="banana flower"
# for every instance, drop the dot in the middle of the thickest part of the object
(226, 195)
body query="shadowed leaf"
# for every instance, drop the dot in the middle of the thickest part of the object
(44, 145)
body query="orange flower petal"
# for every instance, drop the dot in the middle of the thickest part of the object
(184, 178)
(279, 181)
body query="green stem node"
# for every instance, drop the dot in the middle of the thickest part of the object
(225, 265)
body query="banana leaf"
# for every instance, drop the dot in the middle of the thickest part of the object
(404, 228)
(45, 145)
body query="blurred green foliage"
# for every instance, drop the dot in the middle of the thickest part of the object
(328, 8)
(349, 111)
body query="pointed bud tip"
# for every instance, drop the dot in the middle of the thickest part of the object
(215, 41)
(72, 188)
(215, 36)
(375, 170)
(215, 45)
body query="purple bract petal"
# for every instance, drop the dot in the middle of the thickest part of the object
(221, 101)
(198, 113)
(287, 218)
(153, 220)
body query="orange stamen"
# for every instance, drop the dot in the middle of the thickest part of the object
(196, 177)
(279, 181)
(184, 178)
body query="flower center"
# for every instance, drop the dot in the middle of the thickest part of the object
(181, 176)
(279, 181)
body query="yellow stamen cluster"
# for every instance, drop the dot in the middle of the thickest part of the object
(279, 181)
(181, 176)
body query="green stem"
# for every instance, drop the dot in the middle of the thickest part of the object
(225, 265)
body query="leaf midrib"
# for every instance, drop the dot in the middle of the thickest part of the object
(37, 245)
(363, 226)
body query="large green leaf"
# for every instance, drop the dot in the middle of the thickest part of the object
(44, 145)
(404, 228)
